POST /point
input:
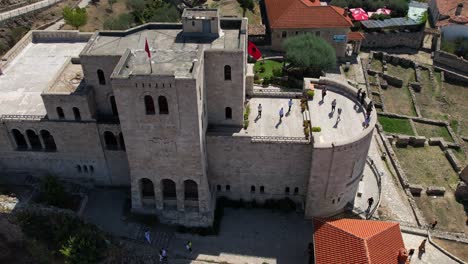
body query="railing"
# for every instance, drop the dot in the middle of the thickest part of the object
(26, 9)
(22, 117)
(280, 140)
(273, 92)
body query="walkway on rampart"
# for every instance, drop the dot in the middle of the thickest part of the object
(27, 9)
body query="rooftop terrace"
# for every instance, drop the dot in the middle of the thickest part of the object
(69, 80)
(30, 73)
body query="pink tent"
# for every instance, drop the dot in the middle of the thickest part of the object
(359, 14)
(383, 11)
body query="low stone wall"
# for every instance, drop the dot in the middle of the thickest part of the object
(392, 80)
(435, 191)
(13, 52)
(60, 36)
(442, 58)
(393, 39)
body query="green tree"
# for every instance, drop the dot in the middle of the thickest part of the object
(246, 5)
(310, 53)
(75, 17)
(121, 22)
(111, 3)
(53, 193)
(340, 3)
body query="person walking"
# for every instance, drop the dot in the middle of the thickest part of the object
(433, 224)
(333, 105)
(259, 110)
(363, 97)
(290, 103)
(164, 254)
(422, 247)
(359, 91)
(281, 113)
(188, 246)
(148, 236)
(324, 92)
(370, 201)
(369, 107)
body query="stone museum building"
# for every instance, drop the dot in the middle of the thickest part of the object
(96, 109)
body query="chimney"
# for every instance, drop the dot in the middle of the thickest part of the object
(402, 256)
(459, 9)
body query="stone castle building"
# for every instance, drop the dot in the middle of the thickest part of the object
(94, 108)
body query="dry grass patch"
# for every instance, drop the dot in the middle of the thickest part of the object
(429, 131)
(232, 8)
(429, 167)
(398, 100)
(458, 249)
(406, 74)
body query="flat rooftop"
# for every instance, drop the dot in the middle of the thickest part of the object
(68, 81)
(268, 125)
(336, 127)
(30, 73)
(200, 13)
(172, 52)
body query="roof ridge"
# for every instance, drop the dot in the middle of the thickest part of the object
(392, 224)
(369, 261)
(345, 231)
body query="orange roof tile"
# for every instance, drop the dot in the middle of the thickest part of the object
(305, 14)
(355, 36)
(354, 241)
(448, 8)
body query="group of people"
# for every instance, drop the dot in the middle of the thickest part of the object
(281, 111)
(163, 255)
(361, 97)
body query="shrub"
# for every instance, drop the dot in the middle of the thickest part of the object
(306, 123)
(277, 72)
(316, 129)
(246, 124)
(261, 69)
(380, 16)
(53, 193)
(84, 247)
(306, 132)
(310, 93)
(122, 22)
(75, 17)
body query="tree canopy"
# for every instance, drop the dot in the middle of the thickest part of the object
(75, 17)
(153, 11)
(246, 5)
(311, 53)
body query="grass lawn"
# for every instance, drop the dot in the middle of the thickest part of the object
(433, 131)
(428, 166)
(269, 65)
(376, 65)
(396, 125)
(406, 74)
(398, 100)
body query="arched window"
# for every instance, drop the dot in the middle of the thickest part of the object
(227, 72)
(286, 190)
(147, 188)
(168, 189)
(33, 140)
(78, 168)
(163, 107)
(76, 113)
(113, 106)
(121, 142)
(20, 140)
(252, 189)
(110, 141)
(228, 113)
(190, 190)
(262, 189)
(218, 187)
(149, 105)
(60, 113)
(228, 187)
(101, 78)
(48, 139)
(296, 191)
(91, 168)
(85, 169)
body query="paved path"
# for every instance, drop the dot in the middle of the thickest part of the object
(432, 255)
(27, 9)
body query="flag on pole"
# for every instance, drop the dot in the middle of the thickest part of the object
(253, 51)
(147, 48)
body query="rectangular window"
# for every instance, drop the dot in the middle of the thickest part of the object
(283, 34)
(317, 33)
(297, 32)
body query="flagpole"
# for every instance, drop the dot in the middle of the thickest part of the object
(151, 65)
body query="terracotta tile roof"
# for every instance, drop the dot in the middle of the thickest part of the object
(354, 241)
(448, 8)
(305, 14)
(355, 36)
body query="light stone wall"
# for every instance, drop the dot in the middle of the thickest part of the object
(83, 101)
(164, 146)
(225, 93)
(238, 162)
(78, 143)
(325, 33)
(91, 64)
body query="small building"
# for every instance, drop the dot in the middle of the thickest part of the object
(357, 241)
(287, 18)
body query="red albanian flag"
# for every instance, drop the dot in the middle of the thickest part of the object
(253, 51)
(147, 48)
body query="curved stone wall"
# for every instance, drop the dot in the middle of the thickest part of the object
(337, 168)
